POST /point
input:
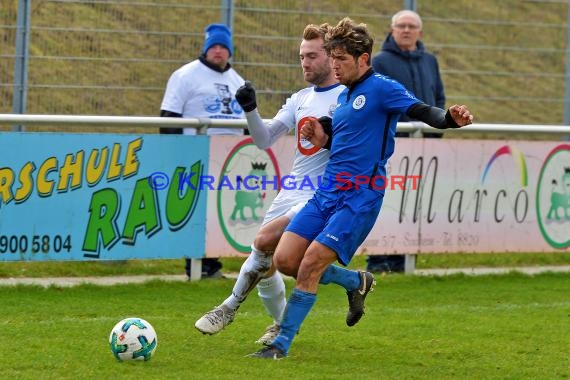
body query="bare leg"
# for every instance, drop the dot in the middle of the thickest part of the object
(256, 266)
(315, 261)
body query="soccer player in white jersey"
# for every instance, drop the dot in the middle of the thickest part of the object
(316, 101)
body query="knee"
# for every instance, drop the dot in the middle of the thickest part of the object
(265, 241)
(284, 265)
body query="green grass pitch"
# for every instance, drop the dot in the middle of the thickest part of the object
(484, 327)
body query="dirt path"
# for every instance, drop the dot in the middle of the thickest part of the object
(113, 280)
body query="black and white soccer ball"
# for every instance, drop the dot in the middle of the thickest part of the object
(133, 339)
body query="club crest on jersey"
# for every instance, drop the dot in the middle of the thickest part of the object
(359, 102)
(332, 108)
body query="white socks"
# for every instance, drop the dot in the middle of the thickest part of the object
(252, 270)
(272, 293)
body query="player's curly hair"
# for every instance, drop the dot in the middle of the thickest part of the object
(313, 32)
(355, 39)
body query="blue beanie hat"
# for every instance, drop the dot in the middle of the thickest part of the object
(218, 34)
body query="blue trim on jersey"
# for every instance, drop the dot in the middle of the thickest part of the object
(386, 130)
(323, 89)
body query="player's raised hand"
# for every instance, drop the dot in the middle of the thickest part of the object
(245, 96)
(461, 115)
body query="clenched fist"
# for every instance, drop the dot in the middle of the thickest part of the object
(245, 96)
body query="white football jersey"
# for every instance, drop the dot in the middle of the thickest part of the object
(310, 161)
(196, 91)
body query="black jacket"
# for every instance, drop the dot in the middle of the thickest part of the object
(417, 70)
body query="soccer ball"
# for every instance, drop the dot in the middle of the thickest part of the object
(133, 339)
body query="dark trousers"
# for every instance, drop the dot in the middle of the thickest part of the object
(209, 267)
(385, 263)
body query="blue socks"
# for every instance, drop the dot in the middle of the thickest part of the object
(298, 306)
(348, 279)
(300, 303)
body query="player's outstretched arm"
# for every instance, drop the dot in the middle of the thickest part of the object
(263, 134)
(457, 116)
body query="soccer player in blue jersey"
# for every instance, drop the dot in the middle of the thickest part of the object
(312, 102)
(335, 222)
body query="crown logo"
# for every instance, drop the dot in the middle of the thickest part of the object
(258, 165)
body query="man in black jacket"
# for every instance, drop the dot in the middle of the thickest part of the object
(403, 57)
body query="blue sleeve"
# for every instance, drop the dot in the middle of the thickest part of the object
(396, 98)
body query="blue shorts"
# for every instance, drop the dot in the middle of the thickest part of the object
(339, 219)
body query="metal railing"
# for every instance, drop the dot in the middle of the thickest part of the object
(203, 123)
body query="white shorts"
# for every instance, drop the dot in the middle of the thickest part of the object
(287, 200)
